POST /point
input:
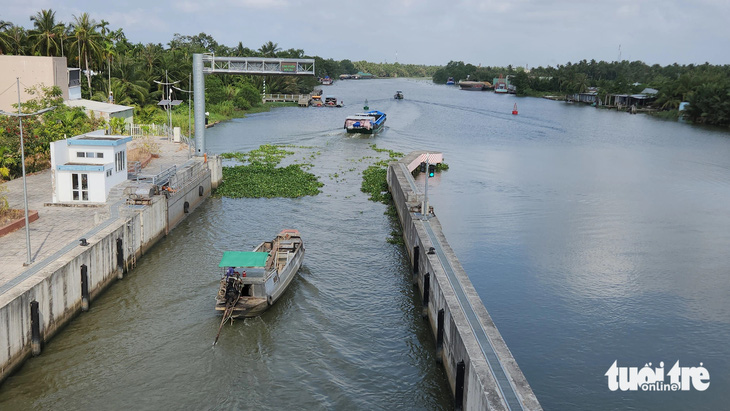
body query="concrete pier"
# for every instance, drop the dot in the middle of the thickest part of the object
(37, 300)
(481, 370)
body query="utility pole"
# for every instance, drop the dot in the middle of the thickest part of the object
(167, 97)
(189, 91)
(20, 116)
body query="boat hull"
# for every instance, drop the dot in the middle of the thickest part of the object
(373, 130)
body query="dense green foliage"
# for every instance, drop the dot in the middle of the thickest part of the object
(39, 131)
(705, 87)
(261, 177)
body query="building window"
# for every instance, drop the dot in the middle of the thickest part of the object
(80, 187)
(86, 154)
(109, 172)
(121, 161)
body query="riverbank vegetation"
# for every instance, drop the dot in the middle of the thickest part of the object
(375, 183)
(260, 175)
(705, 87)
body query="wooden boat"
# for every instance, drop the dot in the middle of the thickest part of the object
(367, 123)
(398, 95)
(252, 281)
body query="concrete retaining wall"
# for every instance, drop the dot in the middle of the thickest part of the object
(57, 287)
(480, 389)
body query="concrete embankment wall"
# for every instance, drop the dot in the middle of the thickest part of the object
(57, 287)
(470, 373)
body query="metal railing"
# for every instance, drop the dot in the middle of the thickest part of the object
(144, 130)
(293, 98)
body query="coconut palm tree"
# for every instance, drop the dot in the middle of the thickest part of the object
(88, 42)
(149, 55)
(4, 39)
(46, 35)
(269, 49)
(17, 38)
(128, 82)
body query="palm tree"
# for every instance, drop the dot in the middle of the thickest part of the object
(128, 84)
(87, 41)
(269, 49)
(16, 37)
(149, 55)
(47, 34)
(4, 39)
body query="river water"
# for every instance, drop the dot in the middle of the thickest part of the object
(592, 236)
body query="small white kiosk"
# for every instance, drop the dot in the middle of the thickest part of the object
(86, 167)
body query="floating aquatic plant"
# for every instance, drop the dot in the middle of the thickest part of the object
(261, 177)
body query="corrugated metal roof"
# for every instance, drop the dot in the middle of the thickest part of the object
(98, 106)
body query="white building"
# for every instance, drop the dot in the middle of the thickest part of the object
(86, 167)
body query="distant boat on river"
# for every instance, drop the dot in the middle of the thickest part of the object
(366, 123)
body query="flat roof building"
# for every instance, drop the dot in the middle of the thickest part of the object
(87, 166)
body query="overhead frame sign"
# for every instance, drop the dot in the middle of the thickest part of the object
(288, 67)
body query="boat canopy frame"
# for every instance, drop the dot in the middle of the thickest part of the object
(244, 259)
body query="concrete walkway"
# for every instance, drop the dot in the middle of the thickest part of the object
(59, 228)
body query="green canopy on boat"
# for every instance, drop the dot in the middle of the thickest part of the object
(250, 259)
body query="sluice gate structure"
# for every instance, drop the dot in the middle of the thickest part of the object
(481, 370)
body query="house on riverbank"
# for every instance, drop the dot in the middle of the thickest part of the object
(87, 166)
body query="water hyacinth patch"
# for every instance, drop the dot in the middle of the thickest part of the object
(262, 178)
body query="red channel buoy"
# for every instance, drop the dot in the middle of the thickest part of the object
(514, 110)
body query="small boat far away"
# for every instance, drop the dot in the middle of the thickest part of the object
(473, 85)
(398, 95)
(366, 123)
(316, 101)
(450, 81)
(253, 280)
(331, 101)
(326, 81)
(514, 109)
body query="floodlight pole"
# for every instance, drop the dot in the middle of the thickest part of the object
(20, 116)
(424, 207)
(189, 91)
(29, 260)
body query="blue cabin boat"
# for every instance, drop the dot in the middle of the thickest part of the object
(366, 123)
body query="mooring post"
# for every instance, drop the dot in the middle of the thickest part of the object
(459, 389)
(120, 258)
(84, 288)
(35, 329)
(426, 290)
(440, 334)
(416, 250)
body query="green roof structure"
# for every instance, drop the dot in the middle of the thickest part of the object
(248, 259)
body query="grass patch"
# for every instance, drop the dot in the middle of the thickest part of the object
(261, 178)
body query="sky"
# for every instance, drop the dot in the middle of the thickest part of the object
(526, 33)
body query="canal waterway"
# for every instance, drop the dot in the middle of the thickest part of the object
(592, 236)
